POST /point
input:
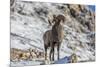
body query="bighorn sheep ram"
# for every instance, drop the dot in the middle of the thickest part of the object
(54, 36)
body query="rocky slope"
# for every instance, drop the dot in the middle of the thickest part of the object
(29, 21)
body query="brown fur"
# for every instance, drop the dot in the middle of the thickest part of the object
(56, 19)
(54, 37)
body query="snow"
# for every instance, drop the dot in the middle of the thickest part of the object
(31, 27)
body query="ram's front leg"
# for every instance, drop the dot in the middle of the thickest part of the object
(53, 53)
(58, 48)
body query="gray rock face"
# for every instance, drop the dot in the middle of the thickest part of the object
(29, 21)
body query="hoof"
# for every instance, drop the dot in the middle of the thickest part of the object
(47, 62)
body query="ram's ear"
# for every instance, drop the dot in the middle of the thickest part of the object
(49, 22)
(54, 16)
(64, 20)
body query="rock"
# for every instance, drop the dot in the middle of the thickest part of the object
(74, 58)
(29, 21)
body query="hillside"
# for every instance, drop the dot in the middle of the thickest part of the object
(29, 21)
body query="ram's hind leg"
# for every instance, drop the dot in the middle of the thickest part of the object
(50, 54)
(45, 53)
